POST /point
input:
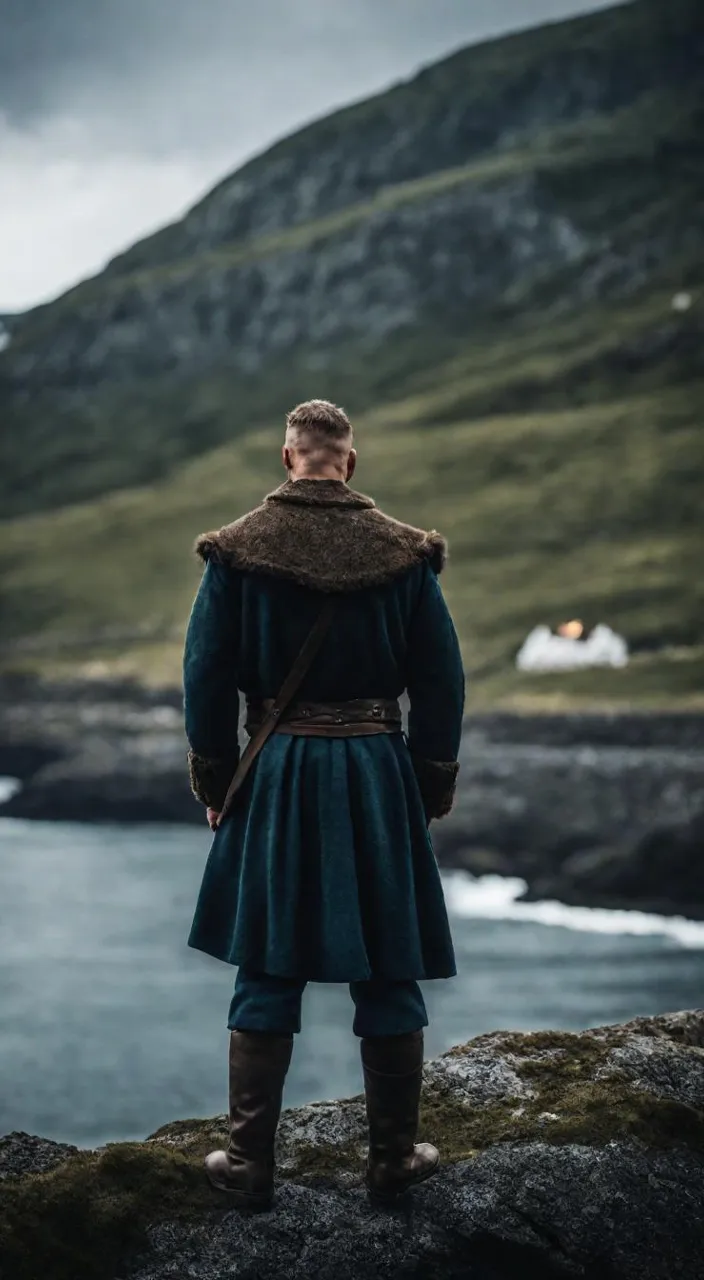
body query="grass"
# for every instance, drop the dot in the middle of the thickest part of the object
(553, 433)
(592, 512)
(622, 178)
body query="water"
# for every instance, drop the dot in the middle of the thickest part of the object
(110, 1026)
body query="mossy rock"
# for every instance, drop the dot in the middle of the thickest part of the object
(637, 1088)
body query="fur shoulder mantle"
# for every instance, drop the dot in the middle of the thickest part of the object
(323, 535)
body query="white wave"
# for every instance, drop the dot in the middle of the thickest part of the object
(8, 788)
(494, 898)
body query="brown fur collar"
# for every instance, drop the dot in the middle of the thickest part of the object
(323, 535)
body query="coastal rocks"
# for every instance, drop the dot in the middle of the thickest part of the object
(660, 867)
(89, 752)
(593, 810)
(598, 810)
(564, 1155)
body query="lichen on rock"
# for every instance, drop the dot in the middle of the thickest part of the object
(574, 1152)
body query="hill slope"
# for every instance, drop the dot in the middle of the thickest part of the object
(480, 265)
(548, 170)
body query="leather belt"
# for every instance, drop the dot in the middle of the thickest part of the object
(353, 719)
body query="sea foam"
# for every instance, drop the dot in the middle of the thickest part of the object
(494, 898)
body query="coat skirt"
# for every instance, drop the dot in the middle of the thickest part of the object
(324, 868)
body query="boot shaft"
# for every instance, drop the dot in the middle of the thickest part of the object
(258, 1066)
(393, 1076)
(258, 1063)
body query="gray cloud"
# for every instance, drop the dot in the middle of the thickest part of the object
(115, 115)
(160, 72)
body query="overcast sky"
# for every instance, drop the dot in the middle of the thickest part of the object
(115, 115)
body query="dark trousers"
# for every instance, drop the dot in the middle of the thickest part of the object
(382, 1008)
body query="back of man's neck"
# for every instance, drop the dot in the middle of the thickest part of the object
(318, 476)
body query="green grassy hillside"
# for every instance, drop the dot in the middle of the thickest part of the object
(591, 511)
(593, 126)
(545, 415)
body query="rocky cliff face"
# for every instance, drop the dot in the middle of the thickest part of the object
(563, 1156)
(511, 173)
(455, 250)
(485, 257)
(480, 100)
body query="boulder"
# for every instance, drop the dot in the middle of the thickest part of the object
(564, 1155)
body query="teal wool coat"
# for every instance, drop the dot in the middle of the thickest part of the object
(324, 867)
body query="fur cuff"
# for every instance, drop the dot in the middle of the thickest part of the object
(210, 778)
(437, 780)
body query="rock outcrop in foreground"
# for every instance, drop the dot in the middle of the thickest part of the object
(564, 1155)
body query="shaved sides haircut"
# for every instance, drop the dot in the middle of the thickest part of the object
(318, 430)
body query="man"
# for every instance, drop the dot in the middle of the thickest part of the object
(322, 867)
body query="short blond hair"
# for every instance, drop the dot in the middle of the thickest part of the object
(321, 419)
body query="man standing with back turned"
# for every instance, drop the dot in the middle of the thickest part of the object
(322, 611)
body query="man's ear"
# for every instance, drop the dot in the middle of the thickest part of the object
(351, 463)
(286, 457)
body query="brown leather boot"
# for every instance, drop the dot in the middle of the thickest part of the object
(258, 1065)
(393, 1072)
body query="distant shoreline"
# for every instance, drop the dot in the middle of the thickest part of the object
(602, 809)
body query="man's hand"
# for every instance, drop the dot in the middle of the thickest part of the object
(212, 816)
